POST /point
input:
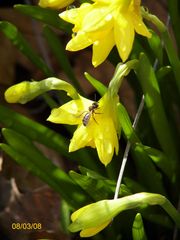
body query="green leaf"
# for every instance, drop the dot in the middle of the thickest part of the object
(26, 154)
(61, 56)
(137, 48)
(95, 188)
(173, 7)
(167, 41)
(45, 15)
(156, 216)
(100, 87)
(124, 189)
(94, 175)
(147, 172)
(65, 212)
(138, 231)
(38, 132)
(173, 57)
(21, 43)
(90, 173)
(156, 46)
(30, 166)
(161, 160)
(134, 186)
(154, 104)
(162, 72)
(126, 125)
(33, 130)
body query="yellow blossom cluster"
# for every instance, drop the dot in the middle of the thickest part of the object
(104, 24)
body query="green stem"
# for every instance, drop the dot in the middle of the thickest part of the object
(171, 210)
(138, 199)
(26, 91)
(157, 199)
(154, 19)
(121, 71)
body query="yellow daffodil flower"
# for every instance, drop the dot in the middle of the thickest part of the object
(97, 124)
(94, 217)
(56, 4)
(104, 24)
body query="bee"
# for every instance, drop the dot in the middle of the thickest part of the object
(90, 113)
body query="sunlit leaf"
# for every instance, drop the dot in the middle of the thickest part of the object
(155, 107)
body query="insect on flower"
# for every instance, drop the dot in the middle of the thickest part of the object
(97, 124)
(90, 113)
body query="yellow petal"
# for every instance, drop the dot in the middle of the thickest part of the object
(106, 140)
(80, 41)
(58, 115)
(69, 15)
(136, 18)
(139, 26)
(71, 112)
(124, 35)
(76, 15)
(93, 231)
(98, 19)
(102, 48)
(82, 137)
